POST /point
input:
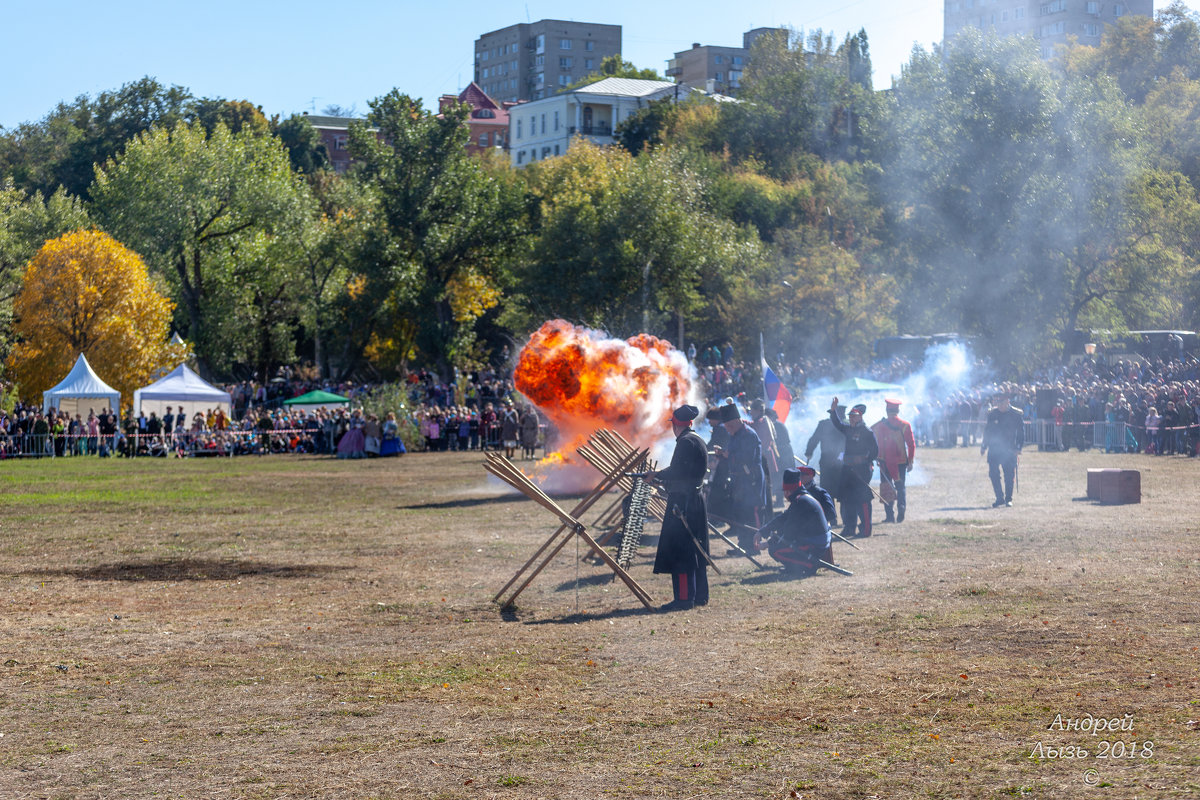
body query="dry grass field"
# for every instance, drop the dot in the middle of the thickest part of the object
(311, 628)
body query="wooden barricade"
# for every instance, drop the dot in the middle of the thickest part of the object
(508, 472)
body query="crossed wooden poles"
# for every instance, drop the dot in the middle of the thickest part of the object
(506, 471)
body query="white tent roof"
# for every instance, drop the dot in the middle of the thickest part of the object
(181, 385)
(81, 383)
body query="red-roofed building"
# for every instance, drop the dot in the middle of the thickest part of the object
(488, 121)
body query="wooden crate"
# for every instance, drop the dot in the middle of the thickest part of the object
(1114, 486)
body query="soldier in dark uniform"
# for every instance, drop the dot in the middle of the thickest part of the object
(717, 499)
(858, 466)
(1003, 438)
(748, 489)
(799, 537)
(685, 525)
(832, 442)
(808, 477)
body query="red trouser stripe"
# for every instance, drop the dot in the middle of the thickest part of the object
(682, 577)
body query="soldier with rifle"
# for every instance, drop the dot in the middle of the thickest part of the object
(858, 466)
(683, 543)
(799, 537)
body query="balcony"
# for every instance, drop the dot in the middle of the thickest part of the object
(596, 129)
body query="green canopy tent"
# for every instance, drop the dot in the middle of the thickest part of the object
(317, 399)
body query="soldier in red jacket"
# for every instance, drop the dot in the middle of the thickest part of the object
(897, 448)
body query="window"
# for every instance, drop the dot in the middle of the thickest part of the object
(565, 62)
(1093, 8)
(520, 156)
(718, 59)
(1091, 29)
(483, 140)
(1118, 10)
(1019, 12)
(540, 43)
(564, 44)
(485, 55)
(539, 61)
(1054, 7)
(555, 149)
(340, 142)
(564, 80)
(519, 136)
(555, 120)
(737, 61)
(589, 45)
(533, 126)
(1004, 15)
(543, 123)
(717, 76)
(589, 63)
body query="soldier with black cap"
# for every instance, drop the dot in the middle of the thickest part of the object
(858, 465)
(799, 537)
(685, 525)
(808, 477)
(748, 489)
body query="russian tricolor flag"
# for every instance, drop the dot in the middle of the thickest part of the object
(777, 395)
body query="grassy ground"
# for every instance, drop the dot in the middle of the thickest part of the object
(289, 627)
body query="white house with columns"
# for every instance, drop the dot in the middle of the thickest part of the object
(545, 128)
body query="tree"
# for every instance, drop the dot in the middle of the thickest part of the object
(449, 222)
(303, 142)
(628, 244)
(85, 292)
(63, 149)
(26, 222)
(214, 215)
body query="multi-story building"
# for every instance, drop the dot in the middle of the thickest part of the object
(488, 121)
(545, 128)
(714, 68)
(1052, 22)
(335, 135)
(534, 60)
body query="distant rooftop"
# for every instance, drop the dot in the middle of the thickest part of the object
(627, 87)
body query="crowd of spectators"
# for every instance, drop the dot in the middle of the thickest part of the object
(1123, 405)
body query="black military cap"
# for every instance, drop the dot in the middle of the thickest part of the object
(791, 476)
(685, 414)
(729, 413)
(861, 408)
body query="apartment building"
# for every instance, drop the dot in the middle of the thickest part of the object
(1052, 22)
(534, 60)
(715, 68)
(546, 128)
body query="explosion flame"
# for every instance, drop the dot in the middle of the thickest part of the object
(583, 381)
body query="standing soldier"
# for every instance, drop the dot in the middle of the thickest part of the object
(1003, 438)
(897, 448)
(685, 524)
(832, 442)
(858, 461)
(771, 462)
(748, 490)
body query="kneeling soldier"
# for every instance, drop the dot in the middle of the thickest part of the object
(799, 537)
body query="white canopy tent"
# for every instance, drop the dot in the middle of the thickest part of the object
(181, 389)
(81, 391)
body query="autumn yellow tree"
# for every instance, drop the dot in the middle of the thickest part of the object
(85, 292)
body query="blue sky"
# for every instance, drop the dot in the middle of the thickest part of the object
(302, 55)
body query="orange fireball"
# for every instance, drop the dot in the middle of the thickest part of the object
(584, 381)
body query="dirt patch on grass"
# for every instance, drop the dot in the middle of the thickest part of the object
(311, 628)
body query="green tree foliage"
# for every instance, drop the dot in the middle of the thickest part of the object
(1017, 208)
(303, 142)
(449, 221)
(61, 150)
(215, 216)
(629, 244)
